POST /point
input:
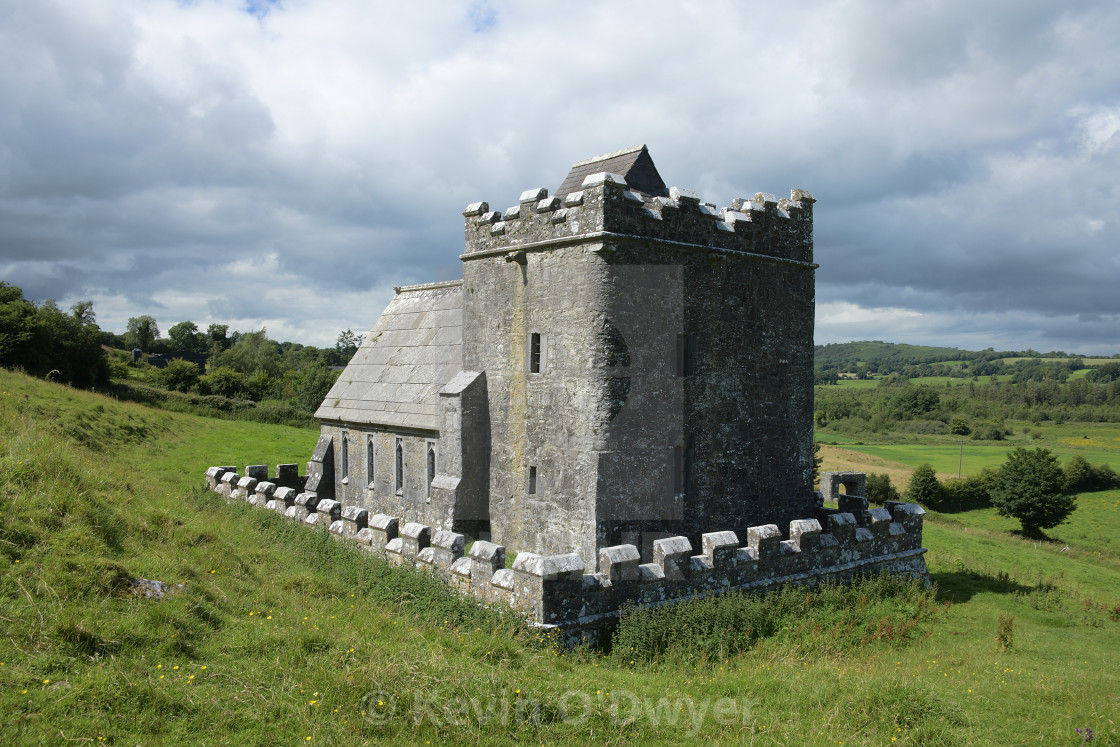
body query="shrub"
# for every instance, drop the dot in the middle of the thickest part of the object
(959, 427)
(924, 427)
(1005, 632)
(224, 381)
(968, 492)
(924, 487)
(1082, 477)
(880, 489)
(179, 375)
(989, 432)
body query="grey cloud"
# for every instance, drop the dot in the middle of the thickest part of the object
(964, 155)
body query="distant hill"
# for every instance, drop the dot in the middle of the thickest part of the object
(877, 355)
(847, 356)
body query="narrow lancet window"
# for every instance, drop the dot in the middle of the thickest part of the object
(532, 481)
(686, 354)
(344, 449)
(398, 459)
(369, 461)
(535, 352)
(431, 464)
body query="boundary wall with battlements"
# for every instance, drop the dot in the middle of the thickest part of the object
(558, 591)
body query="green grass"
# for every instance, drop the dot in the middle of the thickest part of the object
(1094, 527)
(1099, 443)
(279, 634)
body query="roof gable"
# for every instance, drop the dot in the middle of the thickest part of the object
(633, 164)
(415, 348)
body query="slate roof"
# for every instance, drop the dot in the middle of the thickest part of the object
(633, 163)
(415, 348)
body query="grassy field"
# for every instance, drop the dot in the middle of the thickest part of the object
(1099, 443)
(279, 635)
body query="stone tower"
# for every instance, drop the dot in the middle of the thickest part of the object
(647, 360)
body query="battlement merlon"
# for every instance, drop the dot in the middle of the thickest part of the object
(605, 209)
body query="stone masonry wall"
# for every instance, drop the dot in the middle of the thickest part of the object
(622, 446)
(555, 591)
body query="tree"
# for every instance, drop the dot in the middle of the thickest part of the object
(924, 487)
(142, 332)
(224, 381)
(913, 401)
(252, 352)
(347, 344)
(1031, 487)
(184, 337)
(44, 340)
(216, 336)
(315, 380)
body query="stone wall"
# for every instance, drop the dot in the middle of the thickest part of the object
(674, 391)
(557, 591)
(378, 492)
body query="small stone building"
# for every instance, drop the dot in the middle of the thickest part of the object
(621, 362)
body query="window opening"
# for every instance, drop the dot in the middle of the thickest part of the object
(431, 464)
(532, 481)
(369, 460)
(686, 354)
(399, 466)
(345, 449)
(535, 352)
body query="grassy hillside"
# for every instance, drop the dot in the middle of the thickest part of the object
(279, 635)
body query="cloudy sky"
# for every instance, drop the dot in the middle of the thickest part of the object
(284, 164)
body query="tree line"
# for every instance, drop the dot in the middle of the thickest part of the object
(978, 410)
(46, 341)
(68, 346)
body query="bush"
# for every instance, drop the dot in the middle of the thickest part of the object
(988, 432)
(179, 375)
(880, 489)
(118, 370)
(959, 427)
(1031, 487)
(968, 492)
(924, 487)
(223, 381)
(1082, 477)
(924, 427)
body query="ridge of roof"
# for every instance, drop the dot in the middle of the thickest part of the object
(427, 286)
(606, 156)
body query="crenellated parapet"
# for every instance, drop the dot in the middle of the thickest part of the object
(606, 209)
(557, 590)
